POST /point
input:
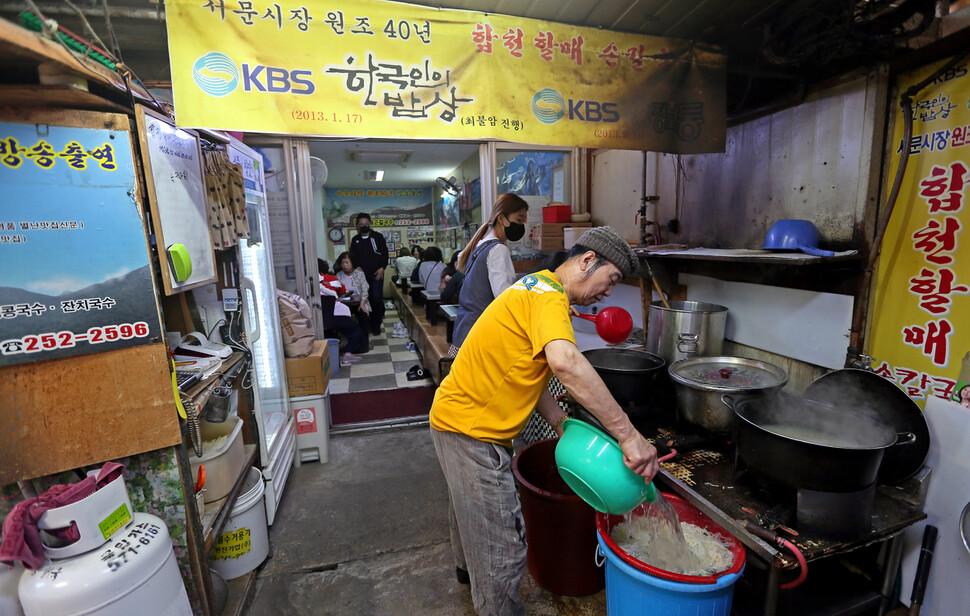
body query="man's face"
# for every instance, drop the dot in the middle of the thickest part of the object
(362, 222)
(598, 283)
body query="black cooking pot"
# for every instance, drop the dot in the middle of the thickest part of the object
(627, 373)
(806, 444)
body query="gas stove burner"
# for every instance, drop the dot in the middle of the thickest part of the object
(839, 515)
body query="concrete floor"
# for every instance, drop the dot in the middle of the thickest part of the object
(367, 534)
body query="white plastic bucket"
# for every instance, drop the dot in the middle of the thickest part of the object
(244, 542)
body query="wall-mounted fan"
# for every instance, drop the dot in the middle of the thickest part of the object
(318, 172)
(449, 186)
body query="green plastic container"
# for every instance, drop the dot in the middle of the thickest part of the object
(591, 463)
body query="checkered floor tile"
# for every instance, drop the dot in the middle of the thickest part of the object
(383, 367)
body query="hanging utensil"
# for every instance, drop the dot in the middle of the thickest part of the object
(656, 285)
(613, 324)
(200, 481)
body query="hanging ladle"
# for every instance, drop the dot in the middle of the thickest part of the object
(613, 324)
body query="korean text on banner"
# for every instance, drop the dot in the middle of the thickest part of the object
(923, 283)
(387, 69)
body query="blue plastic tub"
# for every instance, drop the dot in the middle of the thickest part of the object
(333, 345)
(630, 592)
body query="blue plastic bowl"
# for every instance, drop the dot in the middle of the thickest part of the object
(791, 234)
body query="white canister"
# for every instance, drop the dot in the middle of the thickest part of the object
(136, 568)
(570, 235)
(244, 542)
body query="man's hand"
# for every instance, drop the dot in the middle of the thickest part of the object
(379, 274)
(640, 456)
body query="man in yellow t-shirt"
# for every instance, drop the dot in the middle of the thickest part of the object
(498, 377)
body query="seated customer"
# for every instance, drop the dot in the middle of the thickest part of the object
(343, 321)
(429, 272)
(451, 279)
(404, 264)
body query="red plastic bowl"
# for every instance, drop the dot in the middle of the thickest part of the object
(688, 513)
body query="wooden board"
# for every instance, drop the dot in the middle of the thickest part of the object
(65, 413)
(56, 96)
(172, 158)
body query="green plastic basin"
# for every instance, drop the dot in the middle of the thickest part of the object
(591, 463)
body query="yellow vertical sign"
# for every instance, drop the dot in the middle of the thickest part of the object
(920, 331)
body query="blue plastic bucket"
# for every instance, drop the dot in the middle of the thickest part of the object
(630, 592)
(333, 345)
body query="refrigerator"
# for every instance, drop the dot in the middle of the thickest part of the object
(261, 324)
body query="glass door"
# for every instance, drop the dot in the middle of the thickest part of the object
(261, 316)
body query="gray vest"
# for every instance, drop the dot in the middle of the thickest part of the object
(475, 294)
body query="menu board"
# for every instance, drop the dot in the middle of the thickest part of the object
(176, 193)
(75, 275)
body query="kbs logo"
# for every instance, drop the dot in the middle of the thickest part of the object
(216, 74)
(549, 107)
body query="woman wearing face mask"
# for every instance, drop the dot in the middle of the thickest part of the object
(487, 263)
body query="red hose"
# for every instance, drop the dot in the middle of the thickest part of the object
(673, 452)
(802, 565)
(781, 542)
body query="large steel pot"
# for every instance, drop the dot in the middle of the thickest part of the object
(700, 382)
(627, 373)
(806, 444)
(685, 329)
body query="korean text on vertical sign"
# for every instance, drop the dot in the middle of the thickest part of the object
(923, 284)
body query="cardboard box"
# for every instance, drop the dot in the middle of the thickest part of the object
(553, 229)
(310, 375)
(549, 235)
(545, 242)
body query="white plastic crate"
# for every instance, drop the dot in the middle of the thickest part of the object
(312, 415)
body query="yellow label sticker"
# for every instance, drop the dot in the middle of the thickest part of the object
(233, 544)
(115, 520)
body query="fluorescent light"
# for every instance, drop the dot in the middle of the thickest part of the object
(379, 177)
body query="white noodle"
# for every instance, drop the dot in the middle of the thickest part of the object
(655, 544)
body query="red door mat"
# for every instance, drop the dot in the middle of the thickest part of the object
(381, 404)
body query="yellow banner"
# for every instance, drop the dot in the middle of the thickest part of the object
(920, 330)
(386, 69)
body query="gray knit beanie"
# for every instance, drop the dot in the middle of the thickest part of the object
(607, 242)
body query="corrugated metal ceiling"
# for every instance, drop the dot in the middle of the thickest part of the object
(773, 46)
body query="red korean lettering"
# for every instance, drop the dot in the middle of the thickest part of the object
(636, 57)
(943, 387)
(512, 40)
(610, 55)
(932, 340)
(482, 36)
(935, 289)
(545, 43)
(943, 188)
(884, 371)
(573, 49)
(937, 239)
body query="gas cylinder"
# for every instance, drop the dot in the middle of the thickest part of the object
(122, 564)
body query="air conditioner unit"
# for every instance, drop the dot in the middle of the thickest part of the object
(398, 157)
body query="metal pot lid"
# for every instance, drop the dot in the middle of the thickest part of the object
(727, 374)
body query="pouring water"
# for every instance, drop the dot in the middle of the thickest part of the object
(657, 538)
